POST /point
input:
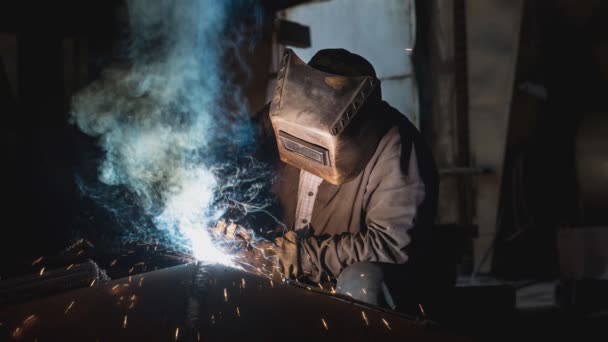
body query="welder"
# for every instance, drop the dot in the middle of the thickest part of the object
(356, 182)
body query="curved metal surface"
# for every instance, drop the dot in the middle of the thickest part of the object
(191, 303)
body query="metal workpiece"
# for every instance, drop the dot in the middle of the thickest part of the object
(206, 303)
(49, 281)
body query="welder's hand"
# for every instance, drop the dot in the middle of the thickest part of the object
(232, 231)
(288, 255)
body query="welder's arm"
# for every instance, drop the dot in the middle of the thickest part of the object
(393, 198)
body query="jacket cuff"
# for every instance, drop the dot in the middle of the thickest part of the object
(308, 267)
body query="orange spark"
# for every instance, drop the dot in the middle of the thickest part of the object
(365, 318)
(37, 261)
(69, 307)
(388, 326)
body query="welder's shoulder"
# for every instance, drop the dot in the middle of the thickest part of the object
(404, 135)
(404, 138)
(400, 132)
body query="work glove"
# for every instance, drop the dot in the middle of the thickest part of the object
(288, 254)
(285, 251)
(232, 231)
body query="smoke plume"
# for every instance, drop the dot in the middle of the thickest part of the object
(173, 119)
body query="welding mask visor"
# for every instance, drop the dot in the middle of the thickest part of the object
(324, 123)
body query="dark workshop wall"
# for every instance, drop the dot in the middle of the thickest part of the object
(560, 78)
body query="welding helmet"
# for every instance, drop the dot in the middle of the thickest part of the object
(324, 122)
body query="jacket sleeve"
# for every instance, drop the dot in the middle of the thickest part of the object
(392, 198)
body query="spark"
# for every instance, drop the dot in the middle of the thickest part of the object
(29, 318)
(93, 282)
(349, 294)
(362, 275)
(133, 297)
(176, 333)
(37, 261)
(89, 243)
(365, 318)
(421, 309)
(324, 323)
(243, 282)
(69, 307)
(308, 288)
(129, 279)
(408, 49)
(131, 269)
(333, 290)
(131, 306)
(388, 326)
(17, 331)
(320, 286)
(225, 295)
(271, 283)
(124, 322)
(42, 270)
(198, 335)
(115, 287)
(238, 312)
(364, 291)
(141, 281)
(80, 252)
(113, 262)
(70, 267)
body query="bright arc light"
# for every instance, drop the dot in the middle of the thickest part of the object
(185, 209)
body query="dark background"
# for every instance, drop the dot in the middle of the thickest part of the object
(61, 46)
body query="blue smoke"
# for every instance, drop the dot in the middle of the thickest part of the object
(174, 125)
